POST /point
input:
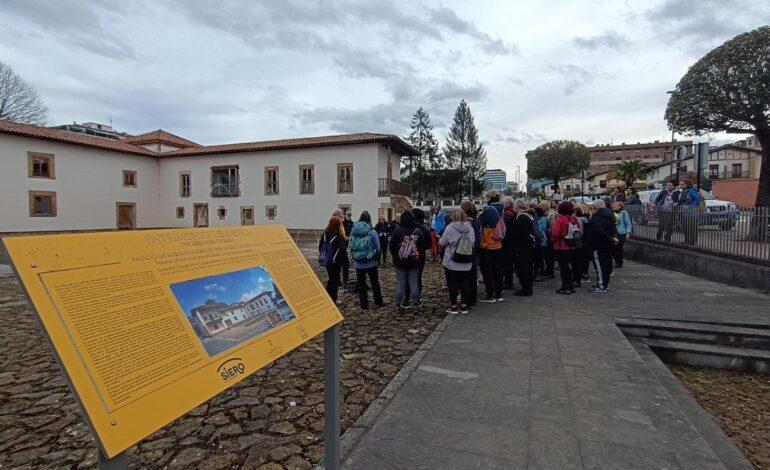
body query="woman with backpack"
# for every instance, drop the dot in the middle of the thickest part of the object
(458, 240)
(364, 245)
(564, 246)
(405, 246)
(330, 247)
(542, 242)
(473, 284)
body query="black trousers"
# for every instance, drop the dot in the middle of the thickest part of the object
(566, 260)
(548, 259)
(457, 283)
(491, 262)
(333, 284)
(690, 226)
(384, 250)
(582, 261)
(617, 250)
(472, 280)
(345, 266)
(524, 268)
(508, 261)
(665, 223)
(374, 279)
(603, 266)
(538, 260)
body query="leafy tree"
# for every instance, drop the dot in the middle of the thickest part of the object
(630, 171)
(425, 142)
(19, 102)
(558, 159)
(463, 150)
(727, 91)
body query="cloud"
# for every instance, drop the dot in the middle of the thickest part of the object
(76, 22)
(609, 39)
(450, 20)
(215, 286)
(576, 76)
(521, 138)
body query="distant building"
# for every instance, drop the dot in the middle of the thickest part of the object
(94, 129)
(605, 157)
(215, 317)
(512, 186)
(494, 179)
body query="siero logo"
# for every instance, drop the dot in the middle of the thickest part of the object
(230, 368)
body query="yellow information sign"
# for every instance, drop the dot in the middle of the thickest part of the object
(150, 324)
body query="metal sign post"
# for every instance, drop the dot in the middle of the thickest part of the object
(332, 398)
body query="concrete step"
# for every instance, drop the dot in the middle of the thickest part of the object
(706, 333)
(710, 355)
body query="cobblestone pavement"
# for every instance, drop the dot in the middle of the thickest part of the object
(271, 420)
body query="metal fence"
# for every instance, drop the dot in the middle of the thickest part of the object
(725, 230)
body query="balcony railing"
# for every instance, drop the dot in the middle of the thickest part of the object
(727, 173)
(224, 190)
(390, 187)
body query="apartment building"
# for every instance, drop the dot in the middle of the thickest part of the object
(55, 180)
(605, 157)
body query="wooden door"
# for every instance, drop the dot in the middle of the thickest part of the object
(126, 215)
(200, 215)
(247, 215)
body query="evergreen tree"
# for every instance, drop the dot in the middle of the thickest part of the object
(464, 152)
(422, 138)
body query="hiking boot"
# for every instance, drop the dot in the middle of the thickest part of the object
(488, 300)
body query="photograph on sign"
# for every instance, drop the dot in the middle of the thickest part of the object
(227, 309)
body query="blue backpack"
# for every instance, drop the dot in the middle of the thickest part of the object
(327, 254)
(360, 242)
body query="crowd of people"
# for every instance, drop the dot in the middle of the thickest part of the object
(505, 242)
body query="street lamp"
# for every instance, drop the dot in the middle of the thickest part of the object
(518, 177)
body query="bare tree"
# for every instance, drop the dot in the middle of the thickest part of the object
(19, 102)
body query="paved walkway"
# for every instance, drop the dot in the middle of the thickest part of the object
(550, 382)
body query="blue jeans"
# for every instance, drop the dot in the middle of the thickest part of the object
(402, 277)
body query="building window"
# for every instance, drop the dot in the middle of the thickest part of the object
(344, 178)
(247, 215)
(271, 181)
(271, 212)
(40, 165)
(42, 204)
(224, 181)
(180, 212)
(306, 180)
(185, 184)
(345, 208)
(221, 212)
(129, 179)
(737, 170)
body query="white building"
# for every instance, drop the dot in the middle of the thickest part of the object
(54, 180)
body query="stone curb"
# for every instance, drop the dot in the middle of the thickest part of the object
(722, 446)
(355, 432)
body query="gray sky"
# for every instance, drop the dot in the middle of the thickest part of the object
(230, 71)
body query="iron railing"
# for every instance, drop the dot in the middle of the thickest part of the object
(727, 173)
(725, 230)
(388, 187)
(225, 190)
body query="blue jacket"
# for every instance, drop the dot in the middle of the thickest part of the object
(625, 225)
(542, 225)
(489, 217)
(689, 198)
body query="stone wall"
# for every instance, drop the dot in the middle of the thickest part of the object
(714, 268)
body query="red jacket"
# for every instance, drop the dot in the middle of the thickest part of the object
(560, 229)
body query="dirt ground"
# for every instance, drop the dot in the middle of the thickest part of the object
(739, 402)
(271, 420)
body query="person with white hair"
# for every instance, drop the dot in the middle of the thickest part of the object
(602, 236)
(458, 240)
(524, 247)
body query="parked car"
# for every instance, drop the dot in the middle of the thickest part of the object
(587, 200)
(723, 214)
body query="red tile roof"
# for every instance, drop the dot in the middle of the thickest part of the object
(161, 137)
(132, 144)
(398, 146)
(66, 137)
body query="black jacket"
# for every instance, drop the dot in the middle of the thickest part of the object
(348, 226)
(337, 243)
(425, 230)
(523, 234)
(395, 245)
(383, 230)
(601, 230)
